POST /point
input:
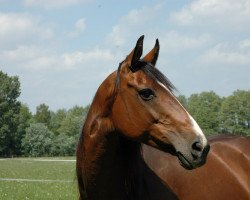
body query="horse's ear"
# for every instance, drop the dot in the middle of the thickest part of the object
(135, 55)
(152, 56)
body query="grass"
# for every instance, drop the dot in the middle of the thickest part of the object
(61, 175)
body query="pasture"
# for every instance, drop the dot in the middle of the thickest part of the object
(38, 178)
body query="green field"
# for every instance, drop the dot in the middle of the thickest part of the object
(38, 178)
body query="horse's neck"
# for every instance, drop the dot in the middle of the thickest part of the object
(111, 164)
(118, 170)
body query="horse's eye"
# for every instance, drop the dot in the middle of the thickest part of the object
(146, 94)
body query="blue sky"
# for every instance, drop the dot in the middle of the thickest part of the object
(63, 49)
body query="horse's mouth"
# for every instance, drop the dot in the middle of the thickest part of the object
(161, 146)
(184, 162)
(170, 149)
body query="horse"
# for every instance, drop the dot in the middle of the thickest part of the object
(134, 117)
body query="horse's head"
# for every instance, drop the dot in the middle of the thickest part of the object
(145, 109)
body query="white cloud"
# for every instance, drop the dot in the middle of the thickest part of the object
(48, 4)
(79, 58)
(73, 77)
(57, 79)
(224, 13)
(16, 28)
(176, 42)
(36, 58)
(131, 24)
(79, 28)
(142, 21)
(245, 44)
(228, 54)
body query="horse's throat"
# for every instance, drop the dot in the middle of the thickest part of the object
(117, 168)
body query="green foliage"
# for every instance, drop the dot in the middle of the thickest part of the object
(69, 130)
(57, 137)
(42, 114)
(64, 145)
(72, 123)
(37, 140)
(205, 108)
(24, 122)
(56, 120)
(235, 113)
(9, 114)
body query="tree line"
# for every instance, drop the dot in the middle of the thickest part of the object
(49, 133)
(44, 133)
(220, 115)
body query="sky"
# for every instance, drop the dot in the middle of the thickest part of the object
(62, 50)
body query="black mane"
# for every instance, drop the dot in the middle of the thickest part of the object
(156, 75)
(153, 73)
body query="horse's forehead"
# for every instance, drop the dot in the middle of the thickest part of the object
(140, 78)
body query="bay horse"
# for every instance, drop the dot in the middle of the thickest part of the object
(135, 105)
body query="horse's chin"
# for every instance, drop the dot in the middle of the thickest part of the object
(184, 162)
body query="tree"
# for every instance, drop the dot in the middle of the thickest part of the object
(69, 130)
(23, 123)
(64, 145)
(205, 108)
(9, 110)
(38, 140)
(73, 122)
(235, 113)
(43, 114)
(56, 120)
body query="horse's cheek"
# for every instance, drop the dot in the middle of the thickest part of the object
(124, 122)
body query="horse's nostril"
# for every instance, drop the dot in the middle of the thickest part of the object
(197, 146)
